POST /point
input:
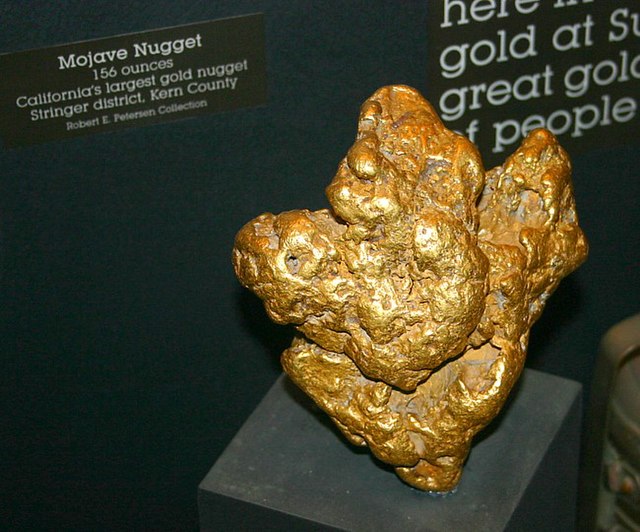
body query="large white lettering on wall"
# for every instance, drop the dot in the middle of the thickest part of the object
(499, 68)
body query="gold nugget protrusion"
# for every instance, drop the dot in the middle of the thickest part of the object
(414, 295)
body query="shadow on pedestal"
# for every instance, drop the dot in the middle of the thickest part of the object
(289, 469)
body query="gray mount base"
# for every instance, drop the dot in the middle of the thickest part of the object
(289, 469)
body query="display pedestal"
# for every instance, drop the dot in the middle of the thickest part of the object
(289, 469)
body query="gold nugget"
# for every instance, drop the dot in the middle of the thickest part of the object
(414, 295)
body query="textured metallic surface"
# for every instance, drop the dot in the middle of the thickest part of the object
(414, 295)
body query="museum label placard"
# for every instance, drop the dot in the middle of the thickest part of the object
(132, 80)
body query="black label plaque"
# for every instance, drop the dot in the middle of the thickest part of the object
(132, 80)
(500, 68)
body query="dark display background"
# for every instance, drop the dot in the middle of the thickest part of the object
(131, 355)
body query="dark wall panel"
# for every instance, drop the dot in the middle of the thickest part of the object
(131, 354)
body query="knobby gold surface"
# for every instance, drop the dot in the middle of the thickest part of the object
(414, 295)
